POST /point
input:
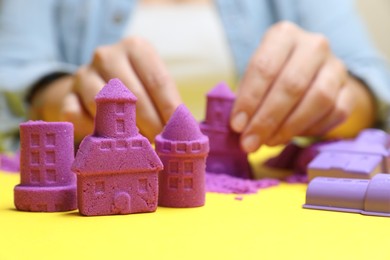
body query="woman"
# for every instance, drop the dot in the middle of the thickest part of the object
(303, 67)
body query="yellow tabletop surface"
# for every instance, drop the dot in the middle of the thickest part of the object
(267, 225)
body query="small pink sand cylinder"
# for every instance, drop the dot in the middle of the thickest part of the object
(46, 156)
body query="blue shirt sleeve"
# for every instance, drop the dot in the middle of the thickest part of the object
(28, 51)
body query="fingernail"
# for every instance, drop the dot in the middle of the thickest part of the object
(239, 122)
(251, 143)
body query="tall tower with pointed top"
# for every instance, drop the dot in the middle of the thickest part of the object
(183, 150)
(115, 111)
(226, 155)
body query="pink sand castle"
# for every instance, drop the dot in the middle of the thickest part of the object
(47, 183)
(117, 168)
(226, 155)
(183, 150)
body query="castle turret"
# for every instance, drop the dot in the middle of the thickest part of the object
(219, 104)
(226, 155)
(46, 155)
(183, 150)
(115, 111)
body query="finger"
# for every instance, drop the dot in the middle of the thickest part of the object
(262, 70)
(289, 88)
(87, 85)
(154, 76)
(316, 104)
(112, 62)
(72, 111)
(341, 111)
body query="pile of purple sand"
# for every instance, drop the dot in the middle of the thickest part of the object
(10, 163)
(222, 183)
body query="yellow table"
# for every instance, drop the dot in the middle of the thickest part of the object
(268, 225)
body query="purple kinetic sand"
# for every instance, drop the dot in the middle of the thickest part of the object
(47, 183)
(183, 150)
(286, 159)
(223, 183)
(10, 163)
(369, 197)
(117, 168)
(226, 155)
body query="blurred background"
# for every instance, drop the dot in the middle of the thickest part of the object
(377, 17)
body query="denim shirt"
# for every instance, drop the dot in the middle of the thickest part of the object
(45, 36)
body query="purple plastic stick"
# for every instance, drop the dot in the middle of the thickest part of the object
(117, 168)
(183, 150)
(47, 183)
(369, 197)
(226, 155)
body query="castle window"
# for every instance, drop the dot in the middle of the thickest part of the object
(167, 146)
(181, 147)
(188, 183)
(50, 157)
(121, 145)
(143, 185)
(99, 187)
(51, 175)
(35, 176)
(120, 108)
(188, 167)
(50, 139)
(34, 140)
(173, 182)
(195, 146)
(218, 117)
(35, 157)
(136, 143)
(173, 167)
(105, 145)
(120, 126)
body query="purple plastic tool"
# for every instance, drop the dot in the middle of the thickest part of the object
(369, 197)
(376, 136)
(345, 165)
(117, 168)
(183, 150)
(226, 155)
(46, 181)
(349, 159)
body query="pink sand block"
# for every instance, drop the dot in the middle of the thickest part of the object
(116, 167)
(183, 150)
(226, 155)
(47, 183)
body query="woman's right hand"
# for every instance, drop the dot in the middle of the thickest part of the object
(137, 64)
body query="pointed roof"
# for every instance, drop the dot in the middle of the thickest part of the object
(182, 126)
(221, 90)
(98, 155)
(115, 90)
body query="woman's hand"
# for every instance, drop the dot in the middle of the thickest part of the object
(294, 85)
(136, 64)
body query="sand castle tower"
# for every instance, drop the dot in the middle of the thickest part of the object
(47, 183)
(183, 150)
(226, 155)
